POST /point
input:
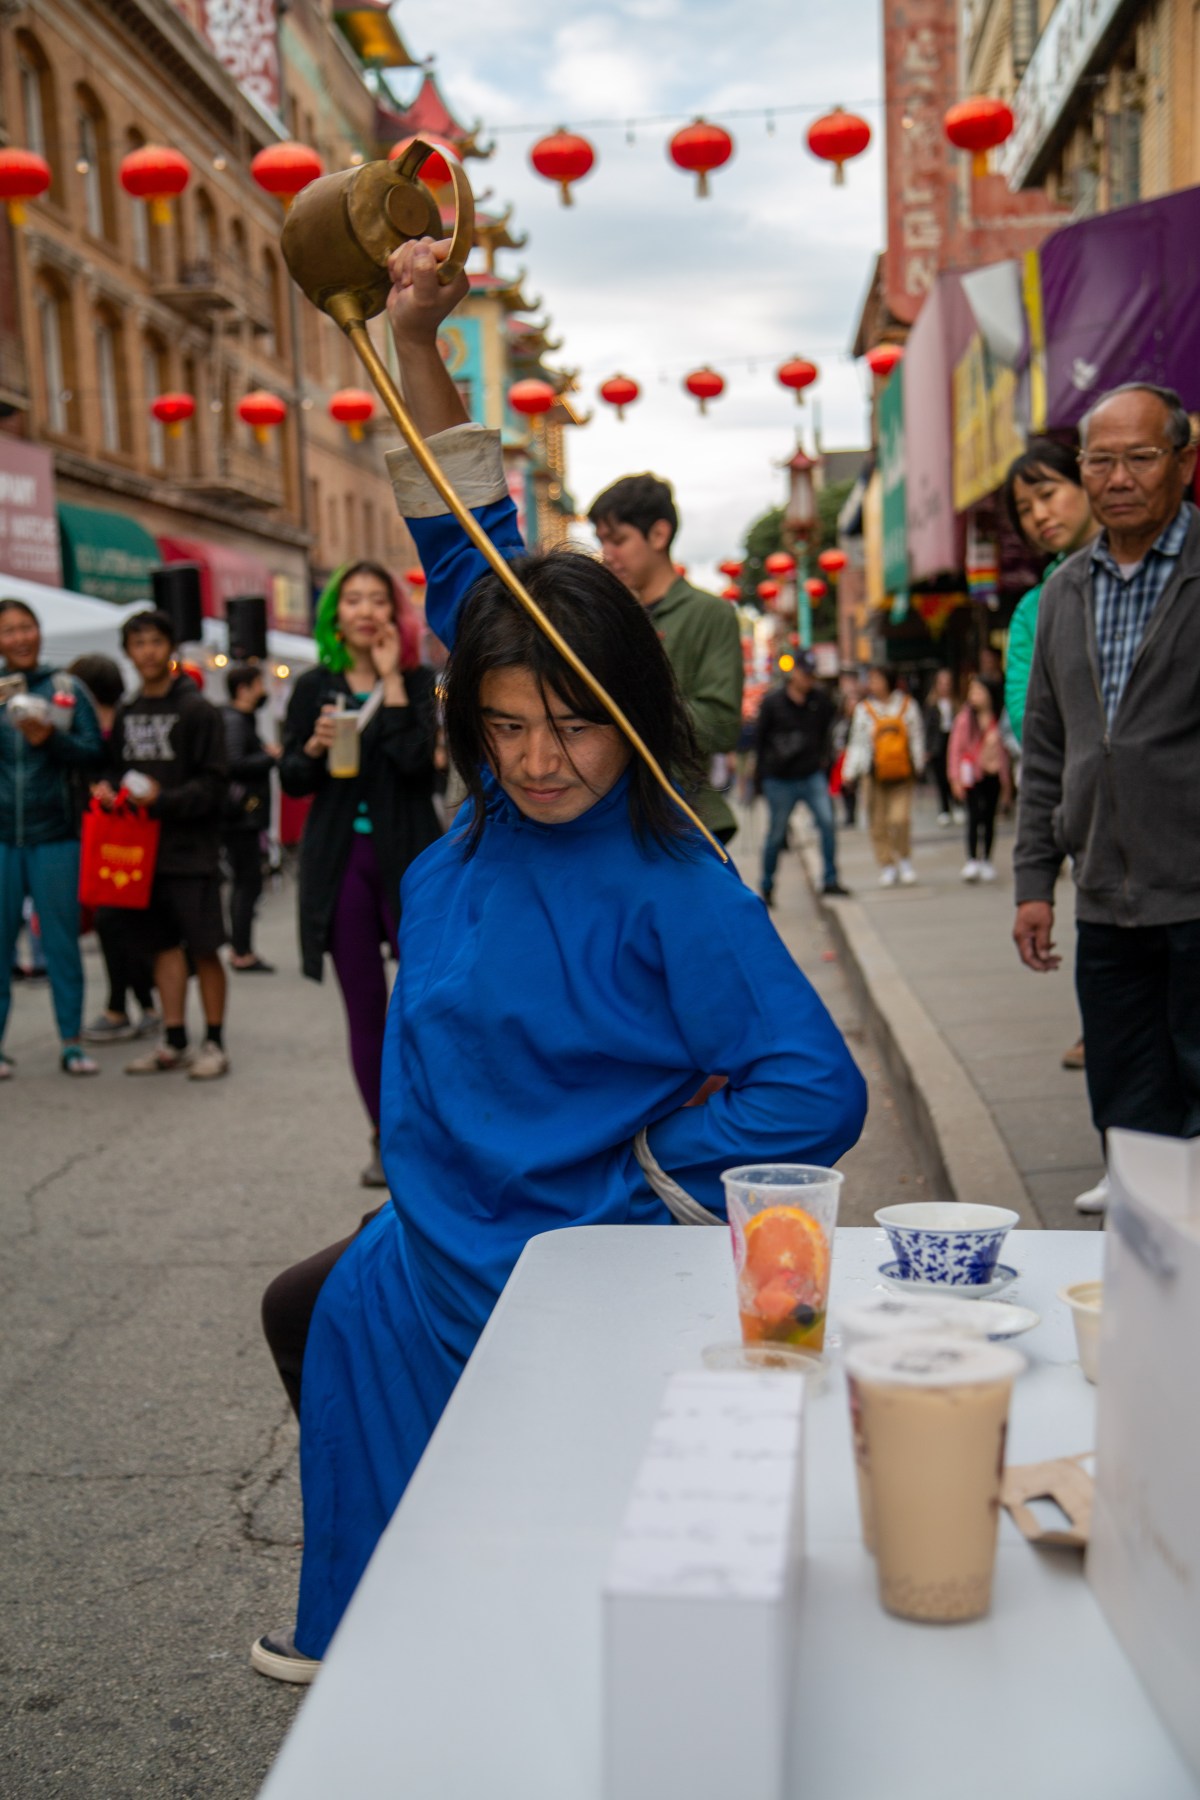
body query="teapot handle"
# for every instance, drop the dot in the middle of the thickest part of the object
(463, 239)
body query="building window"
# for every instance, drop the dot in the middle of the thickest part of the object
(39, 111)
(191, 432)
(54, 331)
(110, 381)
(206, 231)
(139, 214)
(273, 337)
(94, 151)
(155, 381)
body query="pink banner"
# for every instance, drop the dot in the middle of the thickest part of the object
(244, 39)
(28, 517)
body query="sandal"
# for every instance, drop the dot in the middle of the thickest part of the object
(76, 1061)
(278, 1657)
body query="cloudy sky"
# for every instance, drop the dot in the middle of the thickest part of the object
(639, 276)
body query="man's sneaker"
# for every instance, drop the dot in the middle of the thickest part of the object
(1095, 1200)
(149, 1025)
(944, 820)
(278, 1657)
(970, 870)
(1074, 1057)
(908, 874)
(159, 1061)
(987, 871)
(836, 889)
(209, 1063)
(76, 1061)
(887, 877)
(768, 896)
(104, 1029)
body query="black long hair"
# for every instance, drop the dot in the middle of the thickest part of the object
(1042, 456)
(612, 634)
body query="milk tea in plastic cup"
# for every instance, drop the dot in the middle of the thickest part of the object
(782, 1217)
(344, 750)
(930, 1417)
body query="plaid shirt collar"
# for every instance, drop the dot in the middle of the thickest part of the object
(1169, 542)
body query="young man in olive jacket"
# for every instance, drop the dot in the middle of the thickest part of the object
(170, 735)
(635, 520)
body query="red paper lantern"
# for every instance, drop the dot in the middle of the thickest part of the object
(732, 568)
(767, 591)
(832, 561)
(883, 359)
(173, 411)
(979, 125)
(731, 593)
(619, 391)
(435, 170)
(532, 398)
(780, 563)
(815, 588)
(156, 175)
(285, 169)
(797, 373)
(263, 412)
(699, 149)
(836, 138)
(24, 175)
(704, 385)
(352, 407)
(415, 577)
(563, 157)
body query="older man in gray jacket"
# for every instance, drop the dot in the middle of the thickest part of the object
(1111, 770)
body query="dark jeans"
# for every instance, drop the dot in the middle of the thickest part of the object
(849, 801)
(1139, 994)
(287, 1310)
(243, 853)
(363, 919)
(128, 964)
(782, 798)
(982, 801)
(937, 763)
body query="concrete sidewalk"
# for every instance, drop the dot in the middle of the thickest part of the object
(972, 1040)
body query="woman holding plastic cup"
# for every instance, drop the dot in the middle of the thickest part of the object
(372, 799)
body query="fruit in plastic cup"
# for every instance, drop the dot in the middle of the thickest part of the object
(782, 1217)
(930, 1419)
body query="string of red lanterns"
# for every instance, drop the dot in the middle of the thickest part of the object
(699, 149)
(531, 398)
(883, 359)
(780, 563)
(838, 137)
(619, 391)
(173, 411)
(262, 411)
(156, 175)
(563, 157)
(704, 385)
(353, 408)
(832, 561)
(24, 175)
(979, 124)
(285, 170)
(797, 373)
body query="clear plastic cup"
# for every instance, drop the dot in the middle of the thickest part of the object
(344, 750)
(782, 1216)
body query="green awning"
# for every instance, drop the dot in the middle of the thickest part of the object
(106, 555)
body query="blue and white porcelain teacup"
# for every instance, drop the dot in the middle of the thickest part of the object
(944, 1241)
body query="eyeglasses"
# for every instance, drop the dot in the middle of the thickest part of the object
(1140, 463)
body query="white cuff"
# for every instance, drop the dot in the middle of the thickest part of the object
(473, 464)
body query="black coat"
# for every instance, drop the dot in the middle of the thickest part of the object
(248, 803)
(395, 779)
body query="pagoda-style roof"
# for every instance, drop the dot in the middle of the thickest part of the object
(529, 339)
(428, 112)
(506, 288)
(367, 27)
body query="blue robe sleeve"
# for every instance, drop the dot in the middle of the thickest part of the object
(745, 1010)
(453, 565)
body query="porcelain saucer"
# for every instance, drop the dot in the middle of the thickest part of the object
(983, 1290)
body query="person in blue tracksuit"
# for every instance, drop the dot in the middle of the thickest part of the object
(575, 961)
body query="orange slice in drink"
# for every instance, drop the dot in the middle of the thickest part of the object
(785, 1244)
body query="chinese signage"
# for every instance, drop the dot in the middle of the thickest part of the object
(244, 39)
(459, 341)
(987, 436)
(28, 521)
(891, 469)
(1064, 50)
(920, 64)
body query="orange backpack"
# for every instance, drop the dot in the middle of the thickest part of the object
(891, 760)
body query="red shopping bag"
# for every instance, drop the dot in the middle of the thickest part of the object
(117, 855)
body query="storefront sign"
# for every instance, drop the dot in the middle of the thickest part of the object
(1071, 38)
(891, 468)
(920, 70)
(986, 435)
(459, 342)
(244, 39)
(28, 521)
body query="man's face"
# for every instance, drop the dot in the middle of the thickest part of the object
(634, 557)
(254, 693)
(800, 684)
(1134, 479)
(552, 765)
(150, 653)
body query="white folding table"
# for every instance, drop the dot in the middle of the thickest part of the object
(469, 1662)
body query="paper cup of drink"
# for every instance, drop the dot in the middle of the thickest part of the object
(782, 1216)
(930, 1417)
(1085, 1299)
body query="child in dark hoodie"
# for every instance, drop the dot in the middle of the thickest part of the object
(170, 734)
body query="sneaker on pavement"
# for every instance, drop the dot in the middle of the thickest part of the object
(159, 1061)
(104, 1029)
(908, 874)
(970, 870)
(277, 1656)
(1073, 1058)
(887, 877)
(1095, 1200)
(149, 1025)
(944, 819)
(209, 1063)
(835, 888)
(373, 1175)
(76, 1061)
(256, 966)
(987, 871)
(768, 896)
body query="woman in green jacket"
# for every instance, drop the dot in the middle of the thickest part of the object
(1046, 503)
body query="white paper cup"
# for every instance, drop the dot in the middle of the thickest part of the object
(1085, 1299)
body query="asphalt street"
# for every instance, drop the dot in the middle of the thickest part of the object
(148, 1490)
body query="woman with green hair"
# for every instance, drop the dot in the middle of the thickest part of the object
(364, 829)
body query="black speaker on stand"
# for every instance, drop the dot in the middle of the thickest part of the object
(246, 616)
(176, 590)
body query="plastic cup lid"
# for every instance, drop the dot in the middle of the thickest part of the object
(933, 1360)
(893, 1315)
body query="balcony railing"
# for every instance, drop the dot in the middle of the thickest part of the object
(204, 287)
(241, 477)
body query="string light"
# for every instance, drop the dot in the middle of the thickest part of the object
(627, 124)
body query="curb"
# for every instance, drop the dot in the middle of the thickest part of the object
(957, 1138)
